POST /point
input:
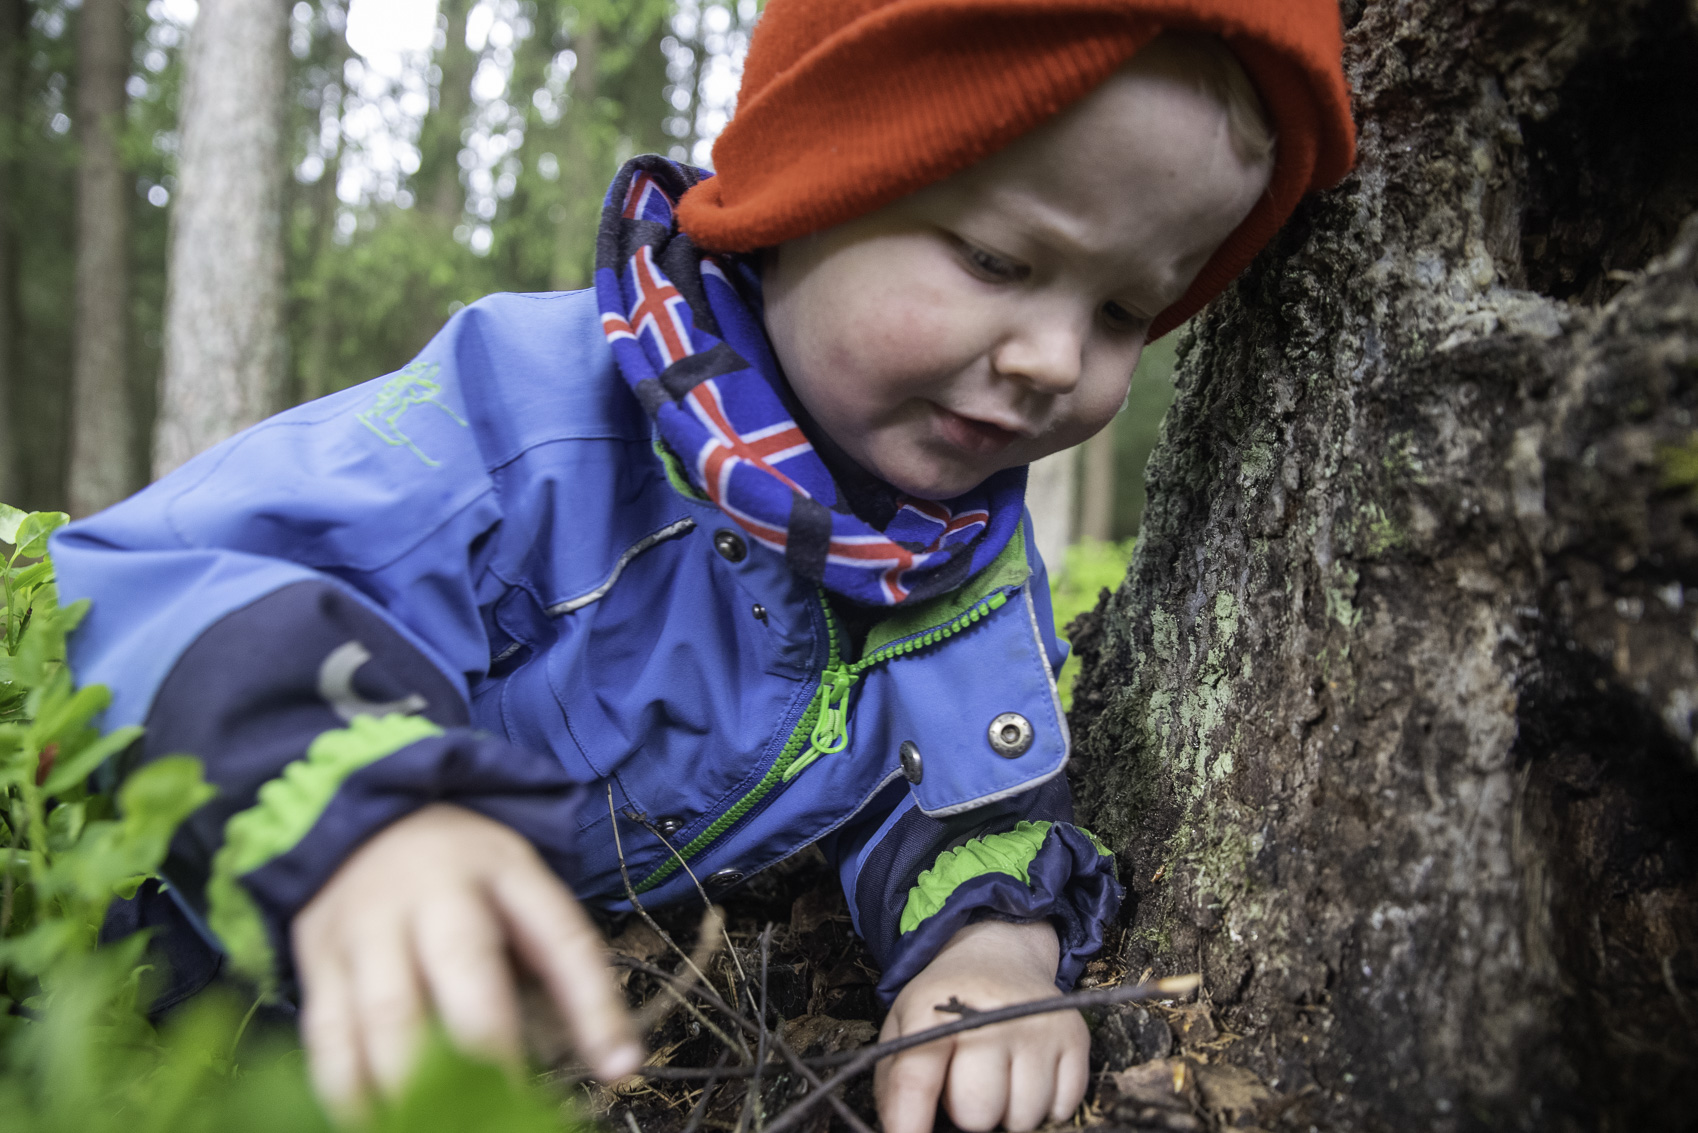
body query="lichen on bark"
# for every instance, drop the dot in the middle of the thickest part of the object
(1392, 722)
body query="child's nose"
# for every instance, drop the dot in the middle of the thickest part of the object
(1047, 354)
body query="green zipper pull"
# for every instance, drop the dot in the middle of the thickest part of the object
(831, 726)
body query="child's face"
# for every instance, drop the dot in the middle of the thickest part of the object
(996, 317)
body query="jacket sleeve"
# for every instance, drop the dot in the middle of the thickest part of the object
(913, 881)
(300, 608)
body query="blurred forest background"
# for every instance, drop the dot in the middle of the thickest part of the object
(422, 167)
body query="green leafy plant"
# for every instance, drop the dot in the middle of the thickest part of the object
(77, 1052)
(1092, 566)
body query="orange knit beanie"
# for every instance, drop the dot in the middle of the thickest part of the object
(847, 105)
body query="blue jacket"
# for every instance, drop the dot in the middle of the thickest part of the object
(481, 580)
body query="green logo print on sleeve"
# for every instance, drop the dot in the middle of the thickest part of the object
(286, 809)
(1010, 852)
(415, 385)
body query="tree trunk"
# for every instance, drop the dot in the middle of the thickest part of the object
(316, 357)
(1049, 497)
(441, 193)
(224, 344)
(1392, 720)
(582, 142)
(1096, 486)
(102, 417)
(14, 25)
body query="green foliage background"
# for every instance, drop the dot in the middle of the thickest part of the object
(370, 280)
(77, 1053)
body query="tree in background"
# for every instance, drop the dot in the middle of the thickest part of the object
(101, 470)
(1393, 722)
(1097, 477)
(14, 30)
(408, 189)
(224, 335)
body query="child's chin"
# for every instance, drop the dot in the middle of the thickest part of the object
(936, 487)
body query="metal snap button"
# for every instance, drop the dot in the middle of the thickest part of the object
(1010, 735)
(730, 546)
(668, 826)
(724, 878)
(909, 754)
(760, 612)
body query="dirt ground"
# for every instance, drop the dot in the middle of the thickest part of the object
(1157, 1067)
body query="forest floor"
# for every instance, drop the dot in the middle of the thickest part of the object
(1158, 1065)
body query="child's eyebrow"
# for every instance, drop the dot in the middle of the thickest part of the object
(1027, 215)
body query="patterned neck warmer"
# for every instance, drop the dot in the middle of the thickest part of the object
(693, 348)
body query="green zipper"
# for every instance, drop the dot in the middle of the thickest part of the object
(825, 723)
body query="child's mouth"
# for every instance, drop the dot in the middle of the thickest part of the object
(978, 437)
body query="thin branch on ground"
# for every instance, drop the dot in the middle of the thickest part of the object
(679, 994)
(631, 894)
(707, 943)
(701, 1107)
(751, 1100)
(849, 1116)
(848, 1065)
(785, 1051)
(712, 914)
(643, 821)
(860, 1061)
(862, 1058)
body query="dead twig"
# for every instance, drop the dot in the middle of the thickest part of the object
(694, 1074)
(707, 943)
(666, 937)
(631, 893)
(752, 1103)
(956, 1007)
(642, 820)
(849, 1116)
(679, 995)
(862, 1058)
(701, 1107)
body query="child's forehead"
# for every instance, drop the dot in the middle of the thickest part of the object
(1084, 169)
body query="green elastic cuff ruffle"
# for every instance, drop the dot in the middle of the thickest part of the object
(1010, 852)
(286, 809)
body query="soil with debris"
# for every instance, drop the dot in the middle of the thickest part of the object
(1157, 1066)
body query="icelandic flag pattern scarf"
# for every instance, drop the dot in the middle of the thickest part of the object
(695, 352)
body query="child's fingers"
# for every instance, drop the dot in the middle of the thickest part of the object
(331, 1039)
(558, 942)
(908, 1085)
(463, 954)
(1031, 1090)
(388, 1002)
(1072, 1075)
(977, 1091)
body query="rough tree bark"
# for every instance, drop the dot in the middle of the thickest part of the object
(102, 417)
(1393, 719)
(224, 344)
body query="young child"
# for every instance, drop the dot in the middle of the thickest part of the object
(671, 579)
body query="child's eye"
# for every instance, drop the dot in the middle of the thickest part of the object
(1123, 320)
(991, 265)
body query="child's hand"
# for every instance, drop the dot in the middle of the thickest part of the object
(1017, 1074)
(424, 917)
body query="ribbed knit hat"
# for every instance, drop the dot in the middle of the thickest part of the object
(847, 105)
